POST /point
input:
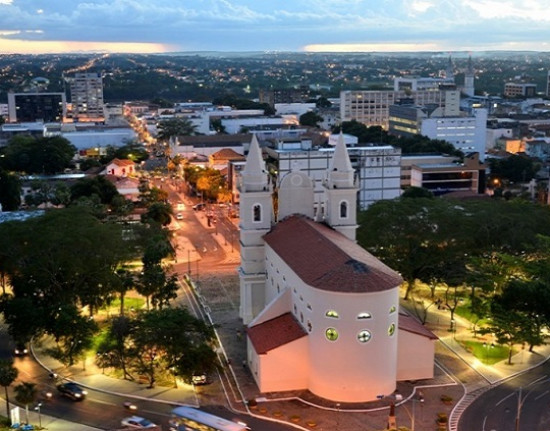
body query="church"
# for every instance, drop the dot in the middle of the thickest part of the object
(322, 313)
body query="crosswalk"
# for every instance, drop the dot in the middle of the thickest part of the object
(463, 404)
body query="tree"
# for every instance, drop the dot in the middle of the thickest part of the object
(98, 186)
(217, 125)
(514, 168)
(417, 192)
(10, 191)
(172, 339)
(323, 102)
(311, 119)
(112, 350)
(8, 374)
(71, 261)
(160, 213)
(175, 127)
(507, 326)
(25, 393)
(151, 195)
(132, 151)
(46, 155)
(414, 237)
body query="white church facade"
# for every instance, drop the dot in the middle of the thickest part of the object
(322, 313)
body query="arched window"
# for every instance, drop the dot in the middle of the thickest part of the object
(343, 209)
(391, 329)
(332, 314)
(257, 212)
(364, 315)
(393, 309)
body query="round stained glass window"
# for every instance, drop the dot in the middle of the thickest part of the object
(331, 334)
(391, 329)
(364, 336)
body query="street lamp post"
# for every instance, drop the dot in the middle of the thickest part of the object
(37, 408)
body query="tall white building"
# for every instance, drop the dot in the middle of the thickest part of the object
(377, 169)
(87, 97)
(322, 313)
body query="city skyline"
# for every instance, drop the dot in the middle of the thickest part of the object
(245, 25)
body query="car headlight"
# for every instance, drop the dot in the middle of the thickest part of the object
(77, 395)
(84, 392)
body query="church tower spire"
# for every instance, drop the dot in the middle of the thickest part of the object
(256, 218)
(469, 77)
(341, 192)
(449, 72)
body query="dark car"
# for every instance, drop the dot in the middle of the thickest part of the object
(199, 207)
(21, 349)
(72, 391)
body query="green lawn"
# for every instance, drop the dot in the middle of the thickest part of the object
(487, 354)
(130, 303)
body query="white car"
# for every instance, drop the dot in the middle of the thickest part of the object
(179, 216)
(137, 422)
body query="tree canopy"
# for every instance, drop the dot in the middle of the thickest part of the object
(45, 155)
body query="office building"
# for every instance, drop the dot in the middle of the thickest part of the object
(87, 97)
(36, 106)
(371, 107)
(520, 89)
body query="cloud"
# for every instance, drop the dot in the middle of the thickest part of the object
(242, 25)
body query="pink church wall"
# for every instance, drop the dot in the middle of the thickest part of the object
(415, 357)
(282, 369)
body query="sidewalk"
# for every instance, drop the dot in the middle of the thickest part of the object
(452, 362)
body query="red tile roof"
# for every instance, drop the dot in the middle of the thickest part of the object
(410, 324)
(227, 154)
(327, 260)
(122, 162)
(274, 333)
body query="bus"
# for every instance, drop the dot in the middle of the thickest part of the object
(191, 419)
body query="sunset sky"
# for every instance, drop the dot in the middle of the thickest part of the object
(56, 26)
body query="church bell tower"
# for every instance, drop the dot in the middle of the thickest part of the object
(256, 218)
(341, 192)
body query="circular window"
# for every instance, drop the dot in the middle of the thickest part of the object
(391, 329)
(331, 334)
(364, 336)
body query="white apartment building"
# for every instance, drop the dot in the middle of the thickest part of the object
(467, 134)
(87, 97)
(377, 168)
(421, 83)
(371, 107)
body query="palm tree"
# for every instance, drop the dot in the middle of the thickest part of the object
(175, 127)
(8, 374)
(25, 393)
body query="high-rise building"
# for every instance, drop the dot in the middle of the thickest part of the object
(87, 97)
(372, 107)
(548, 84)
(36, 106)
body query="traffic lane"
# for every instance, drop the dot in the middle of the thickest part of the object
(104, 410)
(497, 408)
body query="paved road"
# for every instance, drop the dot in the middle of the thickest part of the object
(497, 409)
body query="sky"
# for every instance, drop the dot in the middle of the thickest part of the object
(157, 26)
